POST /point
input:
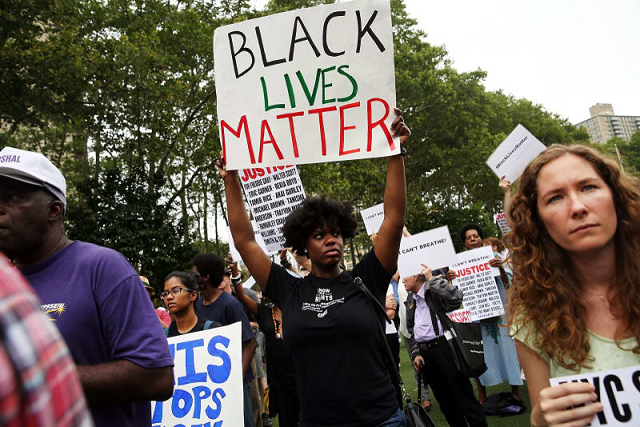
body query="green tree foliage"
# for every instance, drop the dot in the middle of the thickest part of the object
(120, 95)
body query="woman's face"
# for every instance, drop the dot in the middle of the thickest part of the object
(576, 205)
(472, 239)
(325, 245)
(177, 302)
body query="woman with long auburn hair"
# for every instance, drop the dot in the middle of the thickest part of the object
(575, 297)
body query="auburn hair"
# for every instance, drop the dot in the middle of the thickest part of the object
(546, 293)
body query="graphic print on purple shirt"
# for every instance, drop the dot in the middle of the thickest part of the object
(97, 302)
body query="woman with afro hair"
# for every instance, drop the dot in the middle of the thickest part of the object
(328, 325)
(575, 295)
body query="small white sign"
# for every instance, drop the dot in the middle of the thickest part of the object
(514, 153)
(501, 220)
(475, 279)
(462, 315)
(373, 218)
(310, 85)
(433, 248)
(619, 392)
(272, 194)
(208, 380)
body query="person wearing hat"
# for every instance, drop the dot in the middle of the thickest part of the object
(92, 294)
(163, 314)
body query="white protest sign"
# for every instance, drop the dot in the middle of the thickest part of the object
(208, 380)
(235, 255)
(619, 392)
(514, 153)
(475, 280)
(433, 248)
(273, 193)
(249, 283)
(501, 220)
(462, 315)
(373, 218)
(311, 85)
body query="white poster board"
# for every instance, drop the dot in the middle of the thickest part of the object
(272, 193)
(311, 85)
(501, 220)
(514, 153)
(433, 248)
(208, 380)
(475, 280)
(372, 218)
(235, 255)
(619, 392)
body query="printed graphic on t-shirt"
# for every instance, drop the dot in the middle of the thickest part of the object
(323, 300)
(52, 309)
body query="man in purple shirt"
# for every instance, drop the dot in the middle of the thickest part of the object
(429, 349)
(92, 294)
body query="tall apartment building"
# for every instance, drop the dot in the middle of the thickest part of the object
(604, 125)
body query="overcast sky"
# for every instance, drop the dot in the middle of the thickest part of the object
(564, 54)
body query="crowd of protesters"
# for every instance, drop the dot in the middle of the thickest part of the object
(569, 282)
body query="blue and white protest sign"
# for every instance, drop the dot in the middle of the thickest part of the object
(207, 380)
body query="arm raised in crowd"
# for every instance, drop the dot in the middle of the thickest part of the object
(254, 257)
(506, 187)
(395, 202)
(125, 381)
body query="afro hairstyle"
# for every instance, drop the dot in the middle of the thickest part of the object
(471, 226)
(315, 212)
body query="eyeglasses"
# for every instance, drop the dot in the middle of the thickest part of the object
(175, 291)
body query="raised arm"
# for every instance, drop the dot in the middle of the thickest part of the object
(253, 256)
(395, 202)
(506, 187)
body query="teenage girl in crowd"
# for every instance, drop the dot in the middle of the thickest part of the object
(179, 296)
(575, 297)
(331, 329)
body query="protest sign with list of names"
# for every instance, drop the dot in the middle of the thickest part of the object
(500, 219)
(272, 193)
(312, 85)
(208, 380)
(514, 153)
(235, 255)
(475, 280)
(619, 392)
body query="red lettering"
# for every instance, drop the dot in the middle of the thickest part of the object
(290, 117)
(263, 127)
(245, 176)
(343, 128)
(371, 125)
(237, 133)
(320, 112)
(260, 171)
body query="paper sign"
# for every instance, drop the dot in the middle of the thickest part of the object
(433, 248)
(235, 255)
(475, 280)
(249, 283)
(514, 153)
(273, 193)
(208, 380)
(311, 85)
(501, 220)
(619, 392)
(462, 315)
(373, 218)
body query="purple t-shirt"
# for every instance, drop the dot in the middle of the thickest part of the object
(104, 314)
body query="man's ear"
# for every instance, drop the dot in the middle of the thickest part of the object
(205, 278)
(56, 210)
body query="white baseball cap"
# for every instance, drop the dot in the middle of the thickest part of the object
(35, 169)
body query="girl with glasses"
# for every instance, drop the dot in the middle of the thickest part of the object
(179, 296)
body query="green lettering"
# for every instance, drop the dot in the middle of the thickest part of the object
(292, 98)
(353, 83)
(311, 98)
(268, 107)
(325, 85)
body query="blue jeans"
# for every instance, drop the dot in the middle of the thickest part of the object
(248, 413)
(397, 420)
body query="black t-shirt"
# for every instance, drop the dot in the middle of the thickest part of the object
(333, 338)
(200, 326)
(279, 363)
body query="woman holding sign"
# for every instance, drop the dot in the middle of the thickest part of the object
(576, 287)
(331, 330)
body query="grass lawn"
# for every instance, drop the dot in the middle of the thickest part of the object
(406, 371)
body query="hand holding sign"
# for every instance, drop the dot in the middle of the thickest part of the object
(553, 406)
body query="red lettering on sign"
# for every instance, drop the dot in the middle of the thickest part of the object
(343, 128)
(371, 125)
(272, 140)
(290, 117)
(320, 112)
(236, 133)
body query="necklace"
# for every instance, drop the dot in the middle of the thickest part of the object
(276, 324)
